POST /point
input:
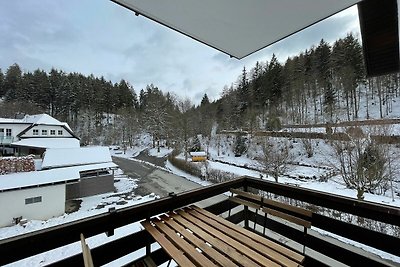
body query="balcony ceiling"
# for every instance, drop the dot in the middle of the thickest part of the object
(235, 27)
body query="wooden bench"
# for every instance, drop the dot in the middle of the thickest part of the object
(293, 214)
(195, 237)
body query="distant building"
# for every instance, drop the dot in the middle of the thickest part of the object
(198, 156)
(33, 134)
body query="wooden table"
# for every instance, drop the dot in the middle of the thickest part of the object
(195, 237)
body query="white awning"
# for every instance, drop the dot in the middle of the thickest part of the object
(237, 27)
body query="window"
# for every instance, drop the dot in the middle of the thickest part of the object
(1, 132)
(60, 132)
(44, 132)
(8, 132)
(35, 132)
(52, 132)
(32, 200)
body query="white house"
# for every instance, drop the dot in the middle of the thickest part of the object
(66, 174)
(33, 134)
(34, 195)
(66, 171)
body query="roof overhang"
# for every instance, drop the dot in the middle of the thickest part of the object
(237, 28)
(240, 28)
(379, 24)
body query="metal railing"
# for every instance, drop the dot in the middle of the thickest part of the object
(348, 225)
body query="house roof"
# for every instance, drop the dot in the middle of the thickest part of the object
(12, 121)
(48, 142)
(237, 28)
(41, 119)
(36, 178)
(47, 177)
(34, 119)
(198, 154)
(55, 158)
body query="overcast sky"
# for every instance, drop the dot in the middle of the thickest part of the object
(100, 37)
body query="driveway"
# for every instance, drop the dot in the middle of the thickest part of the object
(152, 179)
(159, 182)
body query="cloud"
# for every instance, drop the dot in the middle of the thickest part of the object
(105, 39)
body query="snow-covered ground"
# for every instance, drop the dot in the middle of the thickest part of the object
(220, 151)
(123, 197)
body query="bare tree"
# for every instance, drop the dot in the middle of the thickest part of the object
(363, 164)
(275, 157)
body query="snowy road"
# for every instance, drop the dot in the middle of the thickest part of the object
(152, 179)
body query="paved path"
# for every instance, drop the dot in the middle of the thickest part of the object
(154, 180)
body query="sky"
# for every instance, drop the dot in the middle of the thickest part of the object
(102, 38)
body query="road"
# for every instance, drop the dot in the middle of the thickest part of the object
(154, 180)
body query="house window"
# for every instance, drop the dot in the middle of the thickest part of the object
(52, 132)
(44, 132)
(8, 132)
(35, 132)
(32, 200)
(1, 132)
(60, 132)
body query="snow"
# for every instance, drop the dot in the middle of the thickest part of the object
(48, 142)
(75, 156)
(27, 179)
(181, 173)
(198, 154)
(47, 177)
(89, 207)
(35, 119)
(163, 152)
(41, 119)
(11, 121)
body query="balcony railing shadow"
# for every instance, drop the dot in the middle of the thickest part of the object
(339, 226)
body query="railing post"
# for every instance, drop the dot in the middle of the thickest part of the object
(246, 211)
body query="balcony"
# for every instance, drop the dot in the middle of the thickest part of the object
(339, 227)
(6, 140)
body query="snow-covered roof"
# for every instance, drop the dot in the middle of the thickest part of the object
(54, 158)
(40, 178)
(41, 119)
(48, 142)
(37, 178)
(7, 120)
(198, 154)
(36, 119)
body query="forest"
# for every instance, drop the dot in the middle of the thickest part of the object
(325, 83)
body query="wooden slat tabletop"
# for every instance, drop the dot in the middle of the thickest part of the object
(195, 237)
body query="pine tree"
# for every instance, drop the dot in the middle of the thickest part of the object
(1, 84)
(243, 93)
(12, 82)
(274, 84)
(324, 76)
(240, 146)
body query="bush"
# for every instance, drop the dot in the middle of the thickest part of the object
(274, 124)
(185, 166)
(240, 146)
(217, 176)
